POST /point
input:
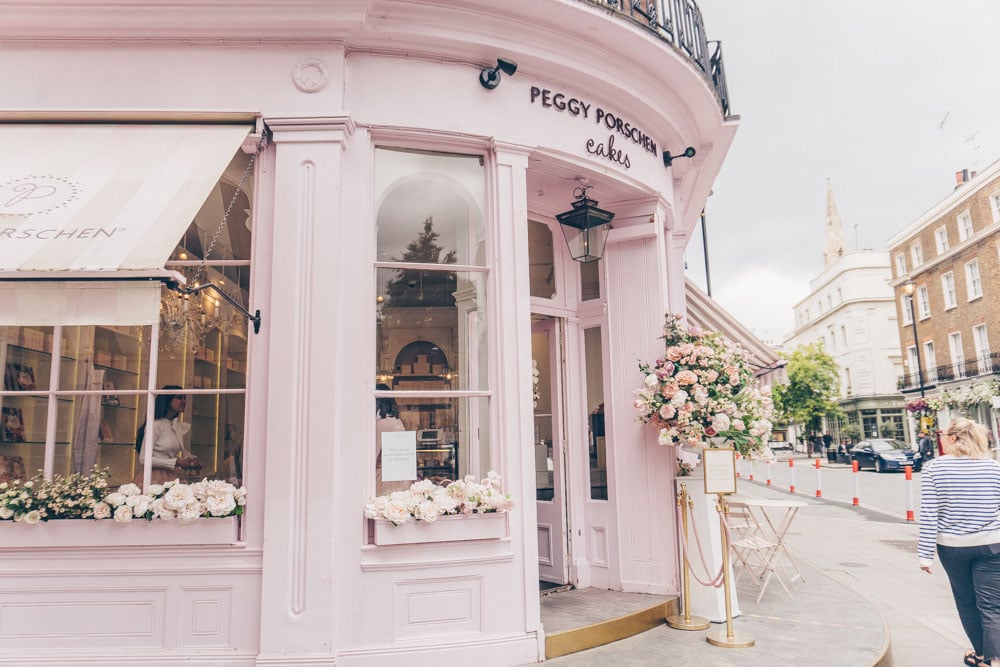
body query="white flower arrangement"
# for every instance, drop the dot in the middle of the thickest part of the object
(535, 375)
(77, 496)
(426, 501)
(175, 500)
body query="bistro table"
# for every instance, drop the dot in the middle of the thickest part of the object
(778, 529)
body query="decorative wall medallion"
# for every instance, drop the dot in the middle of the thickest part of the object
(31, 195)
(310, 75)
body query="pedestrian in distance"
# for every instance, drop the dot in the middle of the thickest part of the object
(925, 446)
(960, 513)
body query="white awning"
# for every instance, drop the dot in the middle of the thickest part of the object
(77, 303)
(100, 200)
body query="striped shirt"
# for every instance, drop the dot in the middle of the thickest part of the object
(959, 504)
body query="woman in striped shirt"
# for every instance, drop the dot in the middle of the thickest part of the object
(960, 511)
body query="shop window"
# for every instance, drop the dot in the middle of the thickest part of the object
(594, 366)
(432, 321)
(541, 260)
(590, 281)
(76, 396)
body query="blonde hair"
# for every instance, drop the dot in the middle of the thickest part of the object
(970, 439)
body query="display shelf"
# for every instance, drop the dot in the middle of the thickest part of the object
(22, 349)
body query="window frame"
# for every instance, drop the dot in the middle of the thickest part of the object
(941, 239)
(948, 290)
(973, 280)
(930, 361)
(957, 353)
(923, 302)
(917, 254)
(900, 264)
(905, 308)
(487, 270)
(981, 344)
(964, 222)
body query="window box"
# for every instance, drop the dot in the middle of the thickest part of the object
(451, 528)
(109, 533)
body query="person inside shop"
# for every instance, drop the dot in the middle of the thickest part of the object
(959, 497)
(171, 459)
(925, 445)
(386, 421)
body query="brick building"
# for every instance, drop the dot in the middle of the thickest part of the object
(946, 268)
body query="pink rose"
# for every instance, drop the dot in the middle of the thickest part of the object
(686, 377)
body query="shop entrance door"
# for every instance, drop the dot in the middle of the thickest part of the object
(549, 450)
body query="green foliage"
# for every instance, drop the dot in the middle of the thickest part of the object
(413, 287)
(813, 387)
(852, 431)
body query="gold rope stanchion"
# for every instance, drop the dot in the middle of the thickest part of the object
(730, 639)
(686, 621)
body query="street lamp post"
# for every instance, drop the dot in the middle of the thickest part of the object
(908, 288)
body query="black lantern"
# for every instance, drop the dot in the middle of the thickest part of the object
(586, 227)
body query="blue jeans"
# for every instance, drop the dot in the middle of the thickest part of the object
(974, 573)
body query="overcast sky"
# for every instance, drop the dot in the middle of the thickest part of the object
(850, 90)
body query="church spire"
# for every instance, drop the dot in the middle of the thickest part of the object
(833, 248)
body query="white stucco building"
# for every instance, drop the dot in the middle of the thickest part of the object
(851, 310)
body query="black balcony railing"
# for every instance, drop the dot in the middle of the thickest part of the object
(988, 364)
(679, 23)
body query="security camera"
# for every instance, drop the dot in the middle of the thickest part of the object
(490, 77)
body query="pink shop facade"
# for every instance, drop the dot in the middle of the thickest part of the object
(379, 181)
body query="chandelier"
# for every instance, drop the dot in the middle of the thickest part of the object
(186, 319)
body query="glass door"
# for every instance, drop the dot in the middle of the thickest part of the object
(548, 449)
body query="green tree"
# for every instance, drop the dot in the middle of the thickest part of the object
(412, 287)
(812, 390)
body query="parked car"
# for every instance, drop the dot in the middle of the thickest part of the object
(883, 454)
(779, 444)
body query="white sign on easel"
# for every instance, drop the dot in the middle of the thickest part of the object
(399, 456)
(720, 470)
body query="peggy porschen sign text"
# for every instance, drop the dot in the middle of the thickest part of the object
(615, 124)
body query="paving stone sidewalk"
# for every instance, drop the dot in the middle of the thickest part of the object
(863, 588)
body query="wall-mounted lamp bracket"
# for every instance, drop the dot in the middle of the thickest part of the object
(188, 291)
(668, 159)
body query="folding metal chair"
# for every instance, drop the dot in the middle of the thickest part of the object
(756, 555)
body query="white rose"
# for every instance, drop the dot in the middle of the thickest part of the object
(34, 516)
(123, 514)
(155, 490)
(220, 486)
(162, 512)
(427, 511)
(115, 499)
(6, 513)
(178, 497)
(445, 503)
(651, 380)
(189, 514)
(129, 489)
(102, 511)
(220, 504)
(397, 512)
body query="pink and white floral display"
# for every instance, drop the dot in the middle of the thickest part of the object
(703, 388)
(426, 501)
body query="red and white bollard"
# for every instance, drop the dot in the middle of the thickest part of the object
(819, 485)
(753, 464)
(909, 494)
(738, 460)
(791, 473)
(854, 469)
(768, 474)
